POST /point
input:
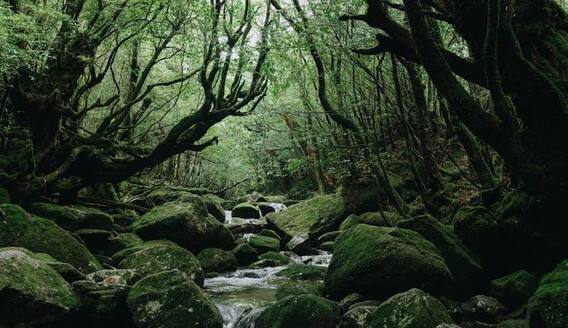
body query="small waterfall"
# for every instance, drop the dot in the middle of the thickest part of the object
(228, 217)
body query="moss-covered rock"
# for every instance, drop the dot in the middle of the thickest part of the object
(302, 272)
(514, 324)
(185, 223)
(21, 229)
(357, 317)
(214, 206)
(96, 240)
(465, 267)
(73, 217)
(327, 246)
(171, 299)
(217, 260)
(121, 241)
(300, 311)
(247, 211)
(478, 229)
(156, 259)
(329, 236)
(103, 302)
(115, 276)
(269, 233)
(379, 262)
(514, 289)
(411, 309)
(245, 254)
(279, 259)
(548, 307)
(291, 288)
(264, 244)
(315, 216)
(386, 219)
(31, 292)
(121, 255)
(4, 196)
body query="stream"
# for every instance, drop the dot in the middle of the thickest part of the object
(241, 295)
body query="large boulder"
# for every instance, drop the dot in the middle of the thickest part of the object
(73, 217)
(104, 302)
(411, 309)
(124, 253)
(121, 241)
(215, 206)
(40, 235)
(300, 311)
(514, 289)
(164, 258)
(31, 292)
(464, 266)
(302, 272)
(264, 244)
(315, 216)
(291, 288)
(245, 254)
(548, 307)
(188, 224)
(217, 260)
(247, 211)
(378, 219)
(171, 299)
(379, 262)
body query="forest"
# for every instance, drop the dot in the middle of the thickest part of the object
(284, 163)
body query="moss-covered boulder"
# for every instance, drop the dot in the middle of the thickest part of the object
(115, 276)
(31, 292)
(329, 236)
(40, 235)
(269, 233)
(548, 307)
(164, 258)
(121, 255)
(4, 196)
(411, 309)
(171, 299)
(379, 262)
(217, 260)
(465, 267)
(185, 223)
(357, 316)
(278, 258)
(121, 241)
(378, 219)
(103, 302)
(73, 217)
(302, 272)
(300, 311)
(96, 240)
(514, 289)
(245, 254)
(291, 288)
(315, 216)
(478, 229)
(214, 205)
(247, 211)
(264, 244)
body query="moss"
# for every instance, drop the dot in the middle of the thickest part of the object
(245, 254)
(279, 259)
(217, 260)
(31, 291)
(316, 215)
(121, 241)
(547, 307)
(121, 255)
(264, 244)
(171, 299)
(185, 224)
(327, 246)
(379, 262)
(514, 289)
(128, 276)
(291, 288)
(247, 211)
(302, 272)
(387, 219)
(156, 259)
(300, 311)
(329, 236)
(43, 236)
(73, 217)
(411, 309)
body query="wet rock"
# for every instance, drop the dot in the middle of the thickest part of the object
(264, 244)
(291, 288)
(171, 299)
(548, 307)
(31, 292)
(73, 217)
(279, 259)
(515, 289)
(300, 311)
(156, 259)
(483, 308)
(379, 262)
(187, 224)
(247, 211)
(465, 267)
(300, 244)
(245, 254)
(39, 235)
(411, 309)
(302, 272)
(217, 260)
